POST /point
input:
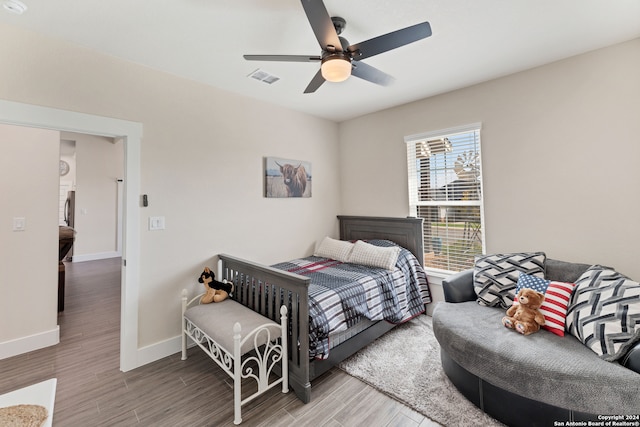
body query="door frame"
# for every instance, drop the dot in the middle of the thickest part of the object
(19, 114)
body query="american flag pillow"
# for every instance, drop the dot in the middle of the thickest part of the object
(556, 300)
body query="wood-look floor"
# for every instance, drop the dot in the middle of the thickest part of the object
(92, 391)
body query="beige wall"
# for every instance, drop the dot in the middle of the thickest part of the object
(29, 258)
(560, 145)
(201, 164)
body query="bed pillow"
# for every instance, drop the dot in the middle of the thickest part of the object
(604, 312)
(495, 277)
(556, 300)
(364, 253)
(334, 249)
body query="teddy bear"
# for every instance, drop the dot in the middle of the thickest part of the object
(525, 316)
(215, 291)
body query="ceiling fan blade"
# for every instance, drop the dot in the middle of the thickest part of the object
(371, 74)
(386, 42)
(288, 58)
(321, 24)
(315, 83)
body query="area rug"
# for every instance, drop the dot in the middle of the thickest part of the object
(23, 416)
(405, 365)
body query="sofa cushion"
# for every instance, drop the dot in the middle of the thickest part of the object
(495, 277)
(556, 299)
(559, 371)
(604, 312)
(217, 320)
(564, 271)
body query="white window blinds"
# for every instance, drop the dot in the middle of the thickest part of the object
(445, 188)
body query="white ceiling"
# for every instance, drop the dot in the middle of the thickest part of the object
(204, 40)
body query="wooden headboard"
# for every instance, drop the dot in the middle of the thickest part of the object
(406, 232)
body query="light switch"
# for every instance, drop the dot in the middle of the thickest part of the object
(19, 223)
(156, 223)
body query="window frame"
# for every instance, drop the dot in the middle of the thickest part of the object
(413, 178)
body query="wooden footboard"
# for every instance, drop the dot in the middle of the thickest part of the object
(264, 289)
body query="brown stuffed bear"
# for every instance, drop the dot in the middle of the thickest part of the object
(525, 316)
(215, 291)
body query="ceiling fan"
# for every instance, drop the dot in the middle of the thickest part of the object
(338, 59)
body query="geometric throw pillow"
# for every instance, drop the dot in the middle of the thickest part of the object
(604, 313)
(495, 277)
(556, 300)
(334, 249)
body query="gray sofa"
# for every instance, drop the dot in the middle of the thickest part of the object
(532, 380)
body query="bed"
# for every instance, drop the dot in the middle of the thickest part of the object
(265, 288)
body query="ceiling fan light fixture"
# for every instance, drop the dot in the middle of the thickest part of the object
(335, 69)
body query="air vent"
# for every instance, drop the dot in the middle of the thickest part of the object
(263, 76)
(14, 6)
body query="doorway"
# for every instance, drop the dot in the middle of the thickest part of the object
(91, 187)
(14, 113)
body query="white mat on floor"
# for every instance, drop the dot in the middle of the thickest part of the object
(43, 394)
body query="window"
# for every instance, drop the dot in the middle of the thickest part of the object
(445, 188)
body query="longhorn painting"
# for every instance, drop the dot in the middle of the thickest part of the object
(287, 178)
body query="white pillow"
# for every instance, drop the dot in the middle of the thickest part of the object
(374, 256)
(334, 249)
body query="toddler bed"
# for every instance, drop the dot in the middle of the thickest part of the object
(336, 308)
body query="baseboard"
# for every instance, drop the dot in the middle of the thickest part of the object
(94, 257)
(29, 343)
(159, 350)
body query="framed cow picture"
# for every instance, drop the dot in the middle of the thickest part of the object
(287, 178)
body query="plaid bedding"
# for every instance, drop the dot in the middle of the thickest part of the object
(340, 294)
